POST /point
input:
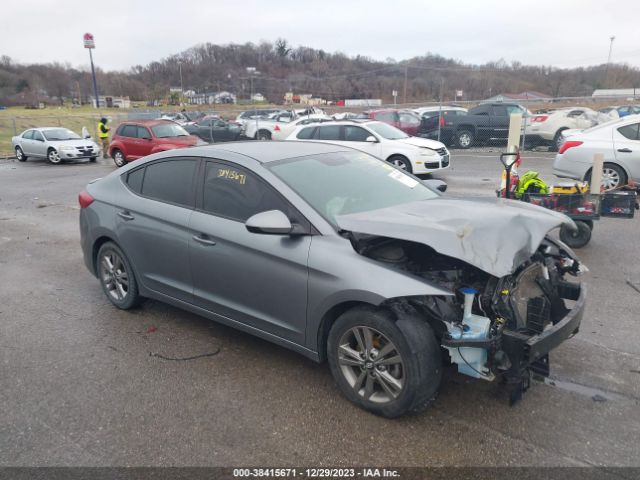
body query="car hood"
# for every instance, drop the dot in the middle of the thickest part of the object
(186, 140)
(421, 142)
(494, 235)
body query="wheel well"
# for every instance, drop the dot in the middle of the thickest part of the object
(468, 128)
(96, 247)
(328, 320)
(262, 130)
(397, 155)
(561, 129)
(588, 172)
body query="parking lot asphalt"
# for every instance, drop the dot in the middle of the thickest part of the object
(83, 383)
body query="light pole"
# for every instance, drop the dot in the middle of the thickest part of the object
(89, 43)
(181, 85)
(252, 72)
(606, 72)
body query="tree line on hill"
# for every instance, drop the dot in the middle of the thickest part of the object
(283, 68)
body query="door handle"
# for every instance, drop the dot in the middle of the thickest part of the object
(625, 150)
(203, 241)
(125, 215)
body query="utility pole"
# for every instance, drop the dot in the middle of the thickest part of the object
(404, 95)
(181, 84)
(606, 72)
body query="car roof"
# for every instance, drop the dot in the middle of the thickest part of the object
(149, 123)
(265, 152)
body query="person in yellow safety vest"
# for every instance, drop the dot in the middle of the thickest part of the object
(103, 134)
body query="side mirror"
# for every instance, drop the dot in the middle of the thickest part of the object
(371, 139)
(436, 184)
(271, 222)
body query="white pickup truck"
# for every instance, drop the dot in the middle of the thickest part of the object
(279, 125)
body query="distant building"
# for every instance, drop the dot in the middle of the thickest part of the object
(360, 102)
(258, 97)
(625, 93)
(303, 99)
(110, 101)
(211, 98)
(520, 97)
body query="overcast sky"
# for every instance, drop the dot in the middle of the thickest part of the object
(562, 33)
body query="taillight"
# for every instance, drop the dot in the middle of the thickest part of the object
(540, 118)
(442, 120)
(84, 199)
(569, 144)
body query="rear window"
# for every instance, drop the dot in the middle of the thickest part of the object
(134, 180)
(632, 132)
(170, 181)
(306, 133)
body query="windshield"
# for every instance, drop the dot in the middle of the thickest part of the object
(387, 131)
(169, 130)
(349, 182)
(60, 134)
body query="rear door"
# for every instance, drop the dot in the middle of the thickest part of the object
(626, 142)
(499, 122)
(39, 146)
(152, 225)
(255, 279)
(26, 142)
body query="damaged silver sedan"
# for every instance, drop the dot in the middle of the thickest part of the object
(341, 257)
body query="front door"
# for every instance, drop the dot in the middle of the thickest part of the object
(255, 279)
(626, 141)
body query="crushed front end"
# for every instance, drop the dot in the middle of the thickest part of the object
(494, 328)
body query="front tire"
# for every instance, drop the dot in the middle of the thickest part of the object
(386, 365)
(464, 139)
(119, 158)
(116, 277)
(53, 156)
(577, 239)
(20, 155)
(401, 162)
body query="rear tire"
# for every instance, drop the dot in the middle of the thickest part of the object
(401, 162)
(613, 176)
(119, 158)
(386, 365)
(263, 135)
(20, 155)
(116, 276)
(557, 141)
(464, 139)
(577, 239)
(93, 159)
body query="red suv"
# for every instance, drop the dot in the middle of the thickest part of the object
(405, 120)
(134, 140)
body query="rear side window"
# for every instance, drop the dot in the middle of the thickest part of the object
(134, 180)
(237, 194)
(129, 131)
(306, 133)
(388, 117)
(632, 132)
(28, 134)
(499, 111)
(170, 181)
(330, 132)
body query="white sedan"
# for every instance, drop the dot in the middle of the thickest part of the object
(416, 155)
(618, 141)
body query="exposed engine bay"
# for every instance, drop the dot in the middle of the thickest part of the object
(493, 328)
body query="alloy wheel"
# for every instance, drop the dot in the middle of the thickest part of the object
(53, 156)
(19, 154)
(118, 158)
(464, 140)
(114, 275)
(371, 364)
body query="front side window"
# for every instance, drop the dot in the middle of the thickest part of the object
(632, 132)
(329, 132)
(355, 134)
(349, 182)
(170, 181)
(499, 111)
(143, 132)
(237, 194)
(38, 136)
